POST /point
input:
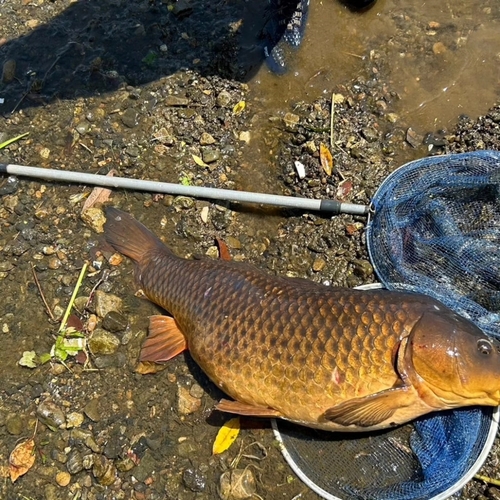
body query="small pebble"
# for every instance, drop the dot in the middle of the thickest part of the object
(223, 99)
(94, 218)
(54, 263)
(209, 155)
(183, 202)
(104, 470)
(439, 48)
(114, 322)
(74, 464)
(233, 242)
(74, 419)
(318, 264)
(194, 479)
(173, 100)
(206, 139)
(196, 391)
(15, 425)
(130, 118)
(63, 478)
(92, 410)
(50, 414)
(300, 168)
(106, 302)
(310, 147)
(237, 484)
(291, 121)
(50, 492)
(244, 136)
(204, 214)
(186, 403)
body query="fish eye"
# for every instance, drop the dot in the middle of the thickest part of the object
(484, 347)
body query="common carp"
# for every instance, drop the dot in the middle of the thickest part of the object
(330, 358)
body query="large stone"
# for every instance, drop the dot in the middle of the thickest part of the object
(106, 302)
(103, 342)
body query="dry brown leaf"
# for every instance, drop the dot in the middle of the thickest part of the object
(144, 367)
(21, 459)
(226, 436)
(98, 194)
(326, 159)
(224, 253)
(344, 189)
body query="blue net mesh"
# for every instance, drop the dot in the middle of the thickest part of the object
(436, 230)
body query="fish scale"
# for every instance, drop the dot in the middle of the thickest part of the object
(236, 337)
(313, 354)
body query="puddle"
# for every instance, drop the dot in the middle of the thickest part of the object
(442, 59)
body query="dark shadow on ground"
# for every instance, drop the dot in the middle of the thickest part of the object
(96, 46)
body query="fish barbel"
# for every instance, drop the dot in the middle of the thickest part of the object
(330, 358)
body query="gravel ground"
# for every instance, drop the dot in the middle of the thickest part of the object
(91, 101)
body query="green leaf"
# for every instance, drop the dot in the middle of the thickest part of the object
(28, 359)
(44, 357)
(186, 181)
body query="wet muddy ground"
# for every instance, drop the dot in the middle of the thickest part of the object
(148, 88)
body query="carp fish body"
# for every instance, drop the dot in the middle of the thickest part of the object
(330, 358)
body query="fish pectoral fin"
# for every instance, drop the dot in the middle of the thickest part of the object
(369, 410)
(165, 340)
(246, 409)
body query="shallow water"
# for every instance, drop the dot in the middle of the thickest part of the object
(442, 58)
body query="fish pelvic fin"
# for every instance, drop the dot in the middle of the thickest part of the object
(370, 410)
(128, 236)
(165, 340)
(246, 409)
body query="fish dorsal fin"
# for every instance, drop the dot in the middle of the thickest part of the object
(165, 340)
(246, 409)
(370, 410)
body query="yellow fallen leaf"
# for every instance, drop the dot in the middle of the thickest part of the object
(21, 459)
(326, 159)
(199, 161)
(239, 107)
(226, 436)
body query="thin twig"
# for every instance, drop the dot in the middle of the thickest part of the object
(105, 275)
(47, 308)
(20, 101)
(85, 147)
(354, 55)
(332, 112)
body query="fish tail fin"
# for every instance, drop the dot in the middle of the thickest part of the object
(128, 236)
